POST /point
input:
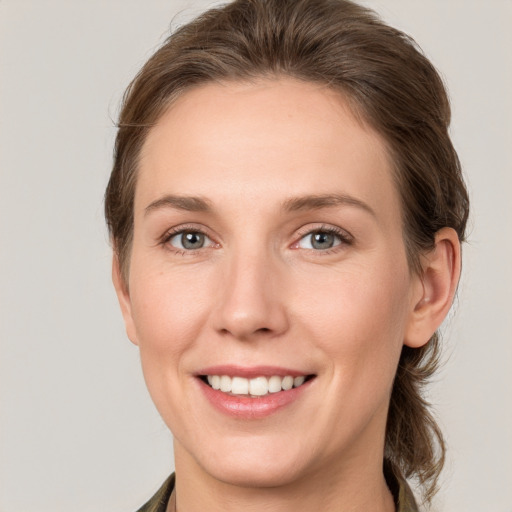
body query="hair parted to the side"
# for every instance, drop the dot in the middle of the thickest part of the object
(389, 84)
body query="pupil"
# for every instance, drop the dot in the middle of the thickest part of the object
(192, 240)
(322, 240)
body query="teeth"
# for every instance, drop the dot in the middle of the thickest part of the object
(239, 386)
(274, 384)
(259, 386)
(287, 383)
(215, 382)
(225, 384)
(298, 381)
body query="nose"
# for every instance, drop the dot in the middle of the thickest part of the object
(252, 302)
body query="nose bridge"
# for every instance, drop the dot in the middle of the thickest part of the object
(251, 301)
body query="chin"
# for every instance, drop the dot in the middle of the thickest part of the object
(253, 464)
(256, 475)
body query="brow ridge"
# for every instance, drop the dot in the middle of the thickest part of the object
(318, 201)
(299, 203)
(188, 203)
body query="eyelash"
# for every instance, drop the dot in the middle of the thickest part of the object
(345, 238)
(169, 235)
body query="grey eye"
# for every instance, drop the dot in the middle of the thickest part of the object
(319, 240)
(189, 240)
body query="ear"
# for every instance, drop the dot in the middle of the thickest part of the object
(436, 288)
(123, 296)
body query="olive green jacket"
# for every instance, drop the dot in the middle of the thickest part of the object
(158, 503)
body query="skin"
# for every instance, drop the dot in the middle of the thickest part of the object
(259, 293)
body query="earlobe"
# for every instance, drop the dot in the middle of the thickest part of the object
(437, 285)
(123, 296)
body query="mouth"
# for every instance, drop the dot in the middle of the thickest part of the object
(256, 387)
(251, 393)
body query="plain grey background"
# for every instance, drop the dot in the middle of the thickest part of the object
(78, 430)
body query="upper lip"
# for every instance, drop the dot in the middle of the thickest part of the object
(251, 372)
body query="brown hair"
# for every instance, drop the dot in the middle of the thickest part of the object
(390, 84)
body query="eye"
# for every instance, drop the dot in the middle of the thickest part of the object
(321, 240)
(189, 240)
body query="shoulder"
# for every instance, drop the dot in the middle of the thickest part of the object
(158, 503)
(402, 493)
(406, 501)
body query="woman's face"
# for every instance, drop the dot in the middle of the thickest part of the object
(268, 250)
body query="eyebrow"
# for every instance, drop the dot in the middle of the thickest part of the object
(300, 203)
(317, 202)
(187, 203)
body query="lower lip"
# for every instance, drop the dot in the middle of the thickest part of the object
(251, 408)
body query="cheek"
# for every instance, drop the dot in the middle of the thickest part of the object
(358, 317)
(168, 316)
(358, 324)
(169, 309)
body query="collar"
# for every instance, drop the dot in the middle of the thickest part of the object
(402, 493)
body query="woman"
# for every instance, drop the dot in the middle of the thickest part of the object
(286, 210)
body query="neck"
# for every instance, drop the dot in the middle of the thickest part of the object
(355, 486)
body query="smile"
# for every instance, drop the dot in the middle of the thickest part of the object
(255, 387)
(256, 392)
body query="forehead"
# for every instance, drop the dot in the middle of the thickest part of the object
(221, 139)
